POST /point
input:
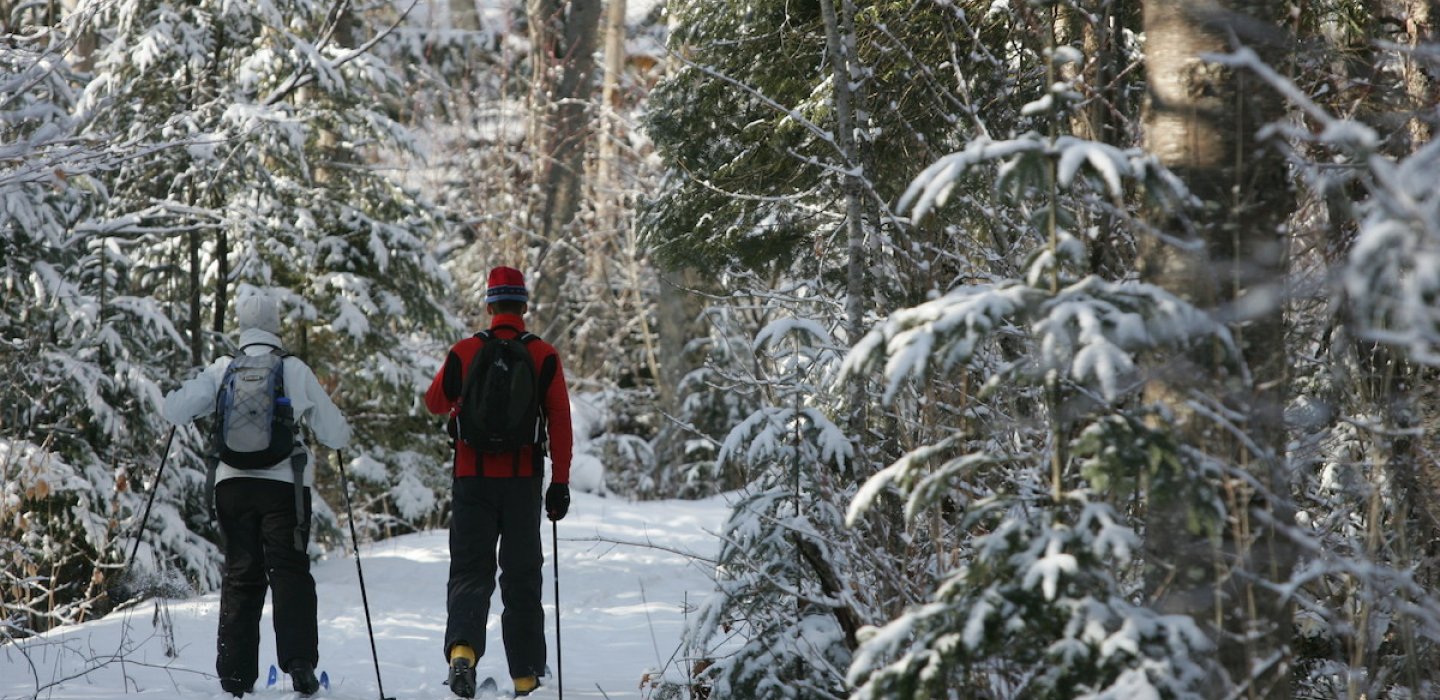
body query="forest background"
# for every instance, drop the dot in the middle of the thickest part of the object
(1076, 348)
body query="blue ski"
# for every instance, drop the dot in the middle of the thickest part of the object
(274, 677)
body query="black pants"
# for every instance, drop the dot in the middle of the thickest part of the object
(489, 514)
(258, 519)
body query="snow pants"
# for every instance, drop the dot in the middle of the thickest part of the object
(489, 515)
(257, 518)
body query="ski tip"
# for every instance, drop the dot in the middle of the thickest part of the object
(273, 677)
(488, 689)
(325, 680)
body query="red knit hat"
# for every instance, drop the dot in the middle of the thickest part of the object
(506, 284)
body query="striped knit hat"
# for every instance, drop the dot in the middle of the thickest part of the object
(506, 284)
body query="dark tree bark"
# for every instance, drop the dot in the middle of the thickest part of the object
(196, 325)
(564, 35)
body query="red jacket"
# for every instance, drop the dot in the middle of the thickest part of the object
(443, 397)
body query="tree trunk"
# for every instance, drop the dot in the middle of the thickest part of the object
(840, 49)
(610, 264)
(563, 35)
(86, 42)
(1201, 122)
(222, 281)
(607, 185)
(850, 126)
(1420, 17)
(464, 16)
(196, 325)
(680, 317)
(1106, 84)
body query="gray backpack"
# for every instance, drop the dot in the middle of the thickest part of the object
(256, 426)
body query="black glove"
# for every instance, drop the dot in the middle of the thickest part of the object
(557, 501)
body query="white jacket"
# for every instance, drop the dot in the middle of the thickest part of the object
(313, 407)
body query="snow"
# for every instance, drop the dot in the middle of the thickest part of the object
(1108, 161)
(624, 585)
(587, 473)
(1047, 569)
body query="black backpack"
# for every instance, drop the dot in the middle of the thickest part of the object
(500, 399)
(256, 425)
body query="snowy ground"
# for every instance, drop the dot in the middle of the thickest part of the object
(622, 611)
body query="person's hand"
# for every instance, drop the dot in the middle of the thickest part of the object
(557, 501)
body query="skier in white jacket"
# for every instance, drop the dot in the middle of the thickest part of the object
(264, 518)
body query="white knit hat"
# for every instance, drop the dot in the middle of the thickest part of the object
(258, 311)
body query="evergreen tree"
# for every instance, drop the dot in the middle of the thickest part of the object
(1044, 457)
(261, 126)
(756, 182)
(214, 146)
(85, 360)
(785, 583)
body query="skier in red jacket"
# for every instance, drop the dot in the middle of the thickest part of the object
(496, 500)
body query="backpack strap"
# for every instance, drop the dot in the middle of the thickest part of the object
(212, 456)
(467, 380)
(297, 467)
(297, 456)
(212, 463)
(280, 391)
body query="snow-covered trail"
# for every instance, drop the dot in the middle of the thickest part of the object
(622, 611)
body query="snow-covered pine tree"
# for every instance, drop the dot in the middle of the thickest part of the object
(1362, 487)
(1044, 554)
(784, 578)
(1031, 488)
(260, 128)
(85, 360)
(756, 181)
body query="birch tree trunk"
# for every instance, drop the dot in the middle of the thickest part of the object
(607, 169)
(1201, 122)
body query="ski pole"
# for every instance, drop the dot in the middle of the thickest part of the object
(154, 489)
(360, 572)
(555, 561)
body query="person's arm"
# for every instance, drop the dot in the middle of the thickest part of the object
(195, 397)
(325, 419)
(444, 391)
(556, 405)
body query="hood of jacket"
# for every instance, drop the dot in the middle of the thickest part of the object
(255, 336)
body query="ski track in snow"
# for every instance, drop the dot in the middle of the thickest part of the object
(622, 614)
